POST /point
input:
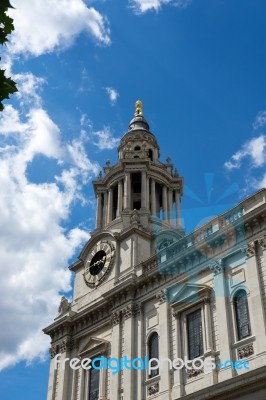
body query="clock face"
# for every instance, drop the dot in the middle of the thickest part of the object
(98, 263)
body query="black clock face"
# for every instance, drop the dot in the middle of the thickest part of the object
(98, 263)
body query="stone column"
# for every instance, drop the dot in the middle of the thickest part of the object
(115, 352)
(210, 375)
(170, 206)
(105, 208)
(148, 193)
(129, 383)
(99, 211)
(164, 343)
(177, 390)
(165, 216)
(143, 189)
(63, 370)
(207, 323)
(127, 191)
(120, 198)
(177, 205)
(139, 351)
(222, 316)
(255, 300)
(153, 198)
(134, 257)
(52, 377)
(102, 387)
(110, 205)
(82, 380)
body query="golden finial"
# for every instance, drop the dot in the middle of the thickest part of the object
(138, 111)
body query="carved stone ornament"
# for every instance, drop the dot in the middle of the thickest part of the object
(192, 373)
(115, 318)
(152, 389)
(217, 267)
(251, 249)
(161, 296)
(66, 345)
(53, 351)
(245, 351)
(64, 306)
(135, 217)
(262, 242)
(130, 310)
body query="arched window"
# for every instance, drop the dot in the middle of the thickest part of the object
(242, 314)
(137, 148)
(151, 154)
(153, 352)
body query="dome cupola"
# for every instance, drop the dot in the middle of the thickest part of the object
(139, 142)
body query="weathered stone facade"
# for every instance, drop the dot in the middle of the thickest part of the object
(156, 277)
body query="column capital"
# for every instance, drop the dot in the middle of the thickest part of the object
(217, 267)
(66, 345)
(250, 249)
(176, 313)
(115, 318)
(131, 310)
(53, 351)
(161, 296)
(262, 242)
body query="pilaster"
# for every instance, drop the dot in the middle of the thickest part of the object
(110, 205)
(143, 189)
(64, 370)
(115, 352)
(153, 198)
(128, 319)
(177, 206)
(164, 343)
(257, 315)
(222, 316)
(165, 216)
(120, 198)
(99, 211)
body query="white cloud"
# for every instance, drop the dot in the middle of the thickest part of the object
(255, 183)
(260, 120)
(113, 94)
(43, 26)
(35, 248)
(253, 150)
(103, 139)
(28, 86)
(142, 6)
(10, 122)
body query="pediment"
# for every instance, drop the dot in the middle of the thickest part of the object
(187, 293)
(94, 346)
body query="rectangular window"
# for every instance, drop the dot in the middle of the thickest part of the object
(94, 380)
(242, 315)
(194, 335)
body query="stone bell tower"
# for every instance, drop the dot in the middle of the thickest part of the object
(139, 188)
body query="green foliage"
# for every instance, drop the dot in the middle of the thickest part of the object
(7, 85)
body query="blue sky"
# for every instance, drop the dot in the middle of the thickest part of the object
(199, 68)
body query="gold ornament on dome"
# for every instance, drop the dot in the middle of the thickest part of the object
(138, 111)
